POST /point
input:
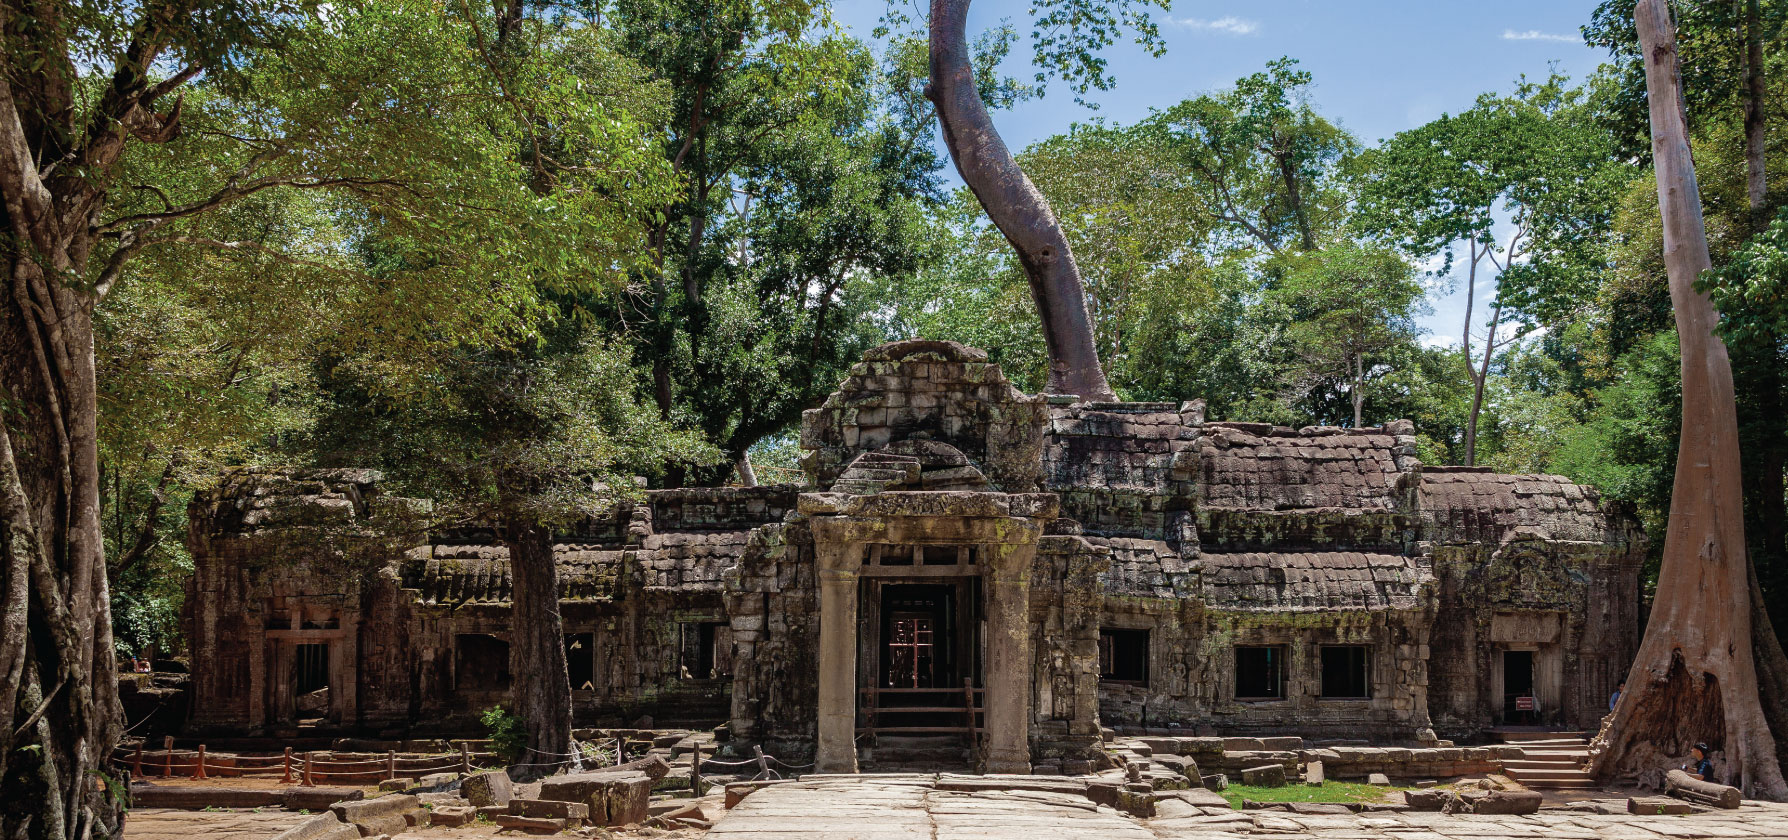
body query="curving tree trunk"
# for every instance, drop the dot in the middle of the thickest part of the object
(539, 682)
(1695, 677)
(1015, 206)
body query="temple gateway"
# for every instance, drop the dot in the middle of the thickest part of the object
(967, 568)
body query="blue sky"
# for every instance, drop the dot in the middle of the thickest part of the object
(1380, 67)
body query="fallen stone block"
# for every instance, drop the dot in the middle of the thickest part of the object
(320, 827)
(1378, 779)
(1426, 800)
(392, 785)
(1266, 775)
(1243, 745)
(383, 824)
(1319, 808)
(198, 798)
(492, 787)
(652, 765)
(1658, 805)
(1254, 805)
(1215, 781)
(319, 798)
(452, 816)
(737, 791)
(1283, 742)
(1684, 786)
(532, 825)
(549, 808)
(1180, 764)
(389, 804)
(1199, 797)
(615, 798)
(1313, 775)
(490, 812)
(1508, 802)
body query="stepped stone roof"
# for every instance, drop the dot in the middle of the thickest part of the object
(1313, 581)
(1257, 466)
(1466, 504)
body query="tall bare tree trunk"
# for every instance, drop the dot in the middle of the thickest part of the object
(540, 684)
(1015, 206)
(1756, 182)
(1695, 677)
(1479, 379)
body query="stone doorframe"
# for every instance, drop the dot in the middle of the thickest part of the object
(1007, 546)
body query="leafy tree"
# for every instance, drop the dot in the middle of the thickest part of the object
(1531, 157)
(807, 170)
(1349, 305)
(1265, 165)
(104, 163)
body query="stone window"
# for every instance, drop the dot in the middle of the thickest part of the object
(707, 650)
(1260, 672)
(1124, 656)
(1346, 672)
(580, 660)
(482, 663)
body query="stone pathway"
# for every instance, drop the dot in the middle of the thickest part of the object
(910, 808)
(1754, 820)
(171, 824)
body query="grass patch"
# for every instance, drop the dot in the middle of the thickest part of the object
(1331, 791)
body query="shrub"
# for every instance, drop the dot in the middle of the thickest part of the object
(508, 736)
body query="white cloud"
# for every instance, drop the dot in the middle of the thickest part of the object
(1537, 35)
(1228, 25)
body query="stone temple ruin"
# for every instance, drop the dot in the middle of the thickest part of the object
(968, 565)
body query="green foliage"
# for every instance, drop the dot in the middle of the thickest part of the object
(508, 734)
(1328, 791)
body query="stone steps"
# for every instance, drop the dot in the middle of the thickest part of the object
(1553, 762)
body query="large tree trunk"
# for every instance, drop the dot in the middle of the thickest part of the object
(1695, 678)
(539, 684)
(1015, 206)
(1756, 182)
(58, 684)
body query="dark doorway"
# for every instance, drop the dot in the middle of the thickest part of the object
(483, 662)
(580, 660)
(919, 632)
(1517, 686)
(310, 681)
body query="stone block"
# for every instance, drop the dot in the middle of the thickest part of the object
(1215, 781)
(1426, 800)
(491, 787)
(1243, 745)
(451, 816)
(1201, 746)
(320, 827)
(1313, 774)
(1508, 802)
(531, 825)
(374, 826)
(1319, 808)
(549, 808)
(1378, 779)
(737, 791)
(1658, 805)
(1265, 775)
(199, 798)
(490, 812)
(391, 804)
(1285, 742)
(318, 798)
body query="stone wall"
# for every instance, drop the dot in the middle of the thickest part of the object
(772, 600)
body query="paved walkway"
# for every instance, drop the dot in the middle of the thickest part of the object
(910, 808)
(1754, 820)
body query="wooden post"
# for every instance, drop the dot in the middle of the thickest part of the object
(695, 770)
(465, 759)
(137, 763)
(968, 703)
(286, 763)
(620, 750)
(198, 766)
(167, 756)
(763, 762)
(390, 764)
(309, 781)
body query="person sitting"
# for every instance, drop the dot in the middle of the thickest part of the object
(1699, 766)
(1615, 697)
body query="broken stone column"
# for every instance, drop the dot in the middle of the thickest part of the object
(837, 563)
(1008, 674)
